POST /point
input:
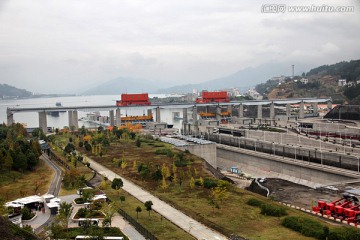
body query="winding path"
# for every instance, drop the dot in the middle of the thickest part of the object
(195, 228)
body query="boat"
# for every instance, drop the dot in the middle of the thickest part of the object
(56, 113)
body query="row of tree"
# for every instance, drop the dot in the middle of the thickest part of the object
(17, 150)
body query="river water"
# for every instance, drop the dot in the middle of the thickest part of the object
(31, 119)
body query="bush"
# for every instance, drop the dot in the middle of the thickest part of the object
(81, 144)
(26, 214)
(272, 210)
(210, 183)
(82, 212)
(164, 151)
(254, 202)
(305, 226)
(87, 147)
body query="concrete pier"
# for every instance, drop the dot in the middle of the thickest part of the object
(195, 115)
(75, 120)
(43, 121)
(185, 121)
(259, 112)
(272, 111)
(118, 117)
(241, 111)
(112, 118)
(301, 110)
(288, 110)
(218, 113)
(316, 109)
(158, 119)
(70, 118)
(9, 117)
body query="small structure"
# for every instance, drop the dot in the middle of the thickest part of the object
(304, 81)
(342, 82)
(235, 170)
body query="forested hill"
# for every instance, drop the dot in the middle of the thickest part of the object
(7, 91)
(323, 81)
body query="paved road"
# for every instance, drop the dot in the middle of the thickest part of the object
(195, 228)
(44, 219)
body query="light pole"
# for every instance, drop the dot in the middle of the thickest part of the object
(358, 164)
(295, 152)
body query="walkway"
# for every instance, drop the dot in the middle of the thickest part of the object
(43, 219)
(195, 228)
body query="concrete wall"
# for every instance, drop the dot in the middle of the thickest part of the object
(297, 171)
(206, 151)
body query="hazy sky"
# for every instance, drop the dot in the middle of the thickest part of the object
(61, 46)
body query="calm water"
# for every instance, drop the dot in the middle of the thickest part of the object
(32, 119)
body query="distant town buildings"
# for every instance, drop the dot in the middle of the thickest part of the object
(254, 94)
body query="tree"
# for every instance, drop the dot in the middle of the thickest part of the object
(148, 206)
(122, 198)
(8, 163)
(192, 182)
(65, 213)
(138, 142)
(109, 210)
(164, 185)
(138, 209)
(117, 183)
(69, 148)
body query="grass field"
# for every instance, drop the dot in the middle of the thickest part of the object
(234, 216)
(14, 185)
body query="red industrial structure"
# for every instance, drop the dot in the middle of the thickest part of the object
(133, 99)
(346, 208)
(208, 97)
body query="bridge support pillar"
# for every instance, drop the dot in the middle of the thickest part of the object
(43, 121)
(218, 113)
(301, 110)
(70, 117)
(259, 113)
(288, 110)
(194, 115)
(316, 109)
(272, 114)
(112, 118)
(9, 117)
(185, 121)
(75, 120)
(229, 108)
(329, 105)
(241, 110)
(118, 117)
(149, 112)
(158, 117)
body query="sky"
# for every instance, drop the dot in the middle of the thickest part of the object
(68, 46)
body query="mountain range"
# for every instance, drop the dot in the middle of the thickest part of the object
(243, 80)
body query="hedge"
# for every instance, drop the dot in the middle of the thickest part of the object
(254, 202)
(272, 210)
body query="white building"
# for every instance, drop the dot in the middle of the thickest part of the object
(304, 80)
(254, 94)
(342, 82)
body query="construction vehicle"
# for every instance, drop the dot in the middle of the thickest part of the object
(346, 208)
(210, 97)
(137, 99)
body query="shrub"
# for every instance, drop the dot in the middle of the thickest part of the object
(164, 151)
(87, 147)
(254, 202)
(210, 183)
(272, 210)
(305, 226)
(26, 214)
(81, 144)
(82, 212)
